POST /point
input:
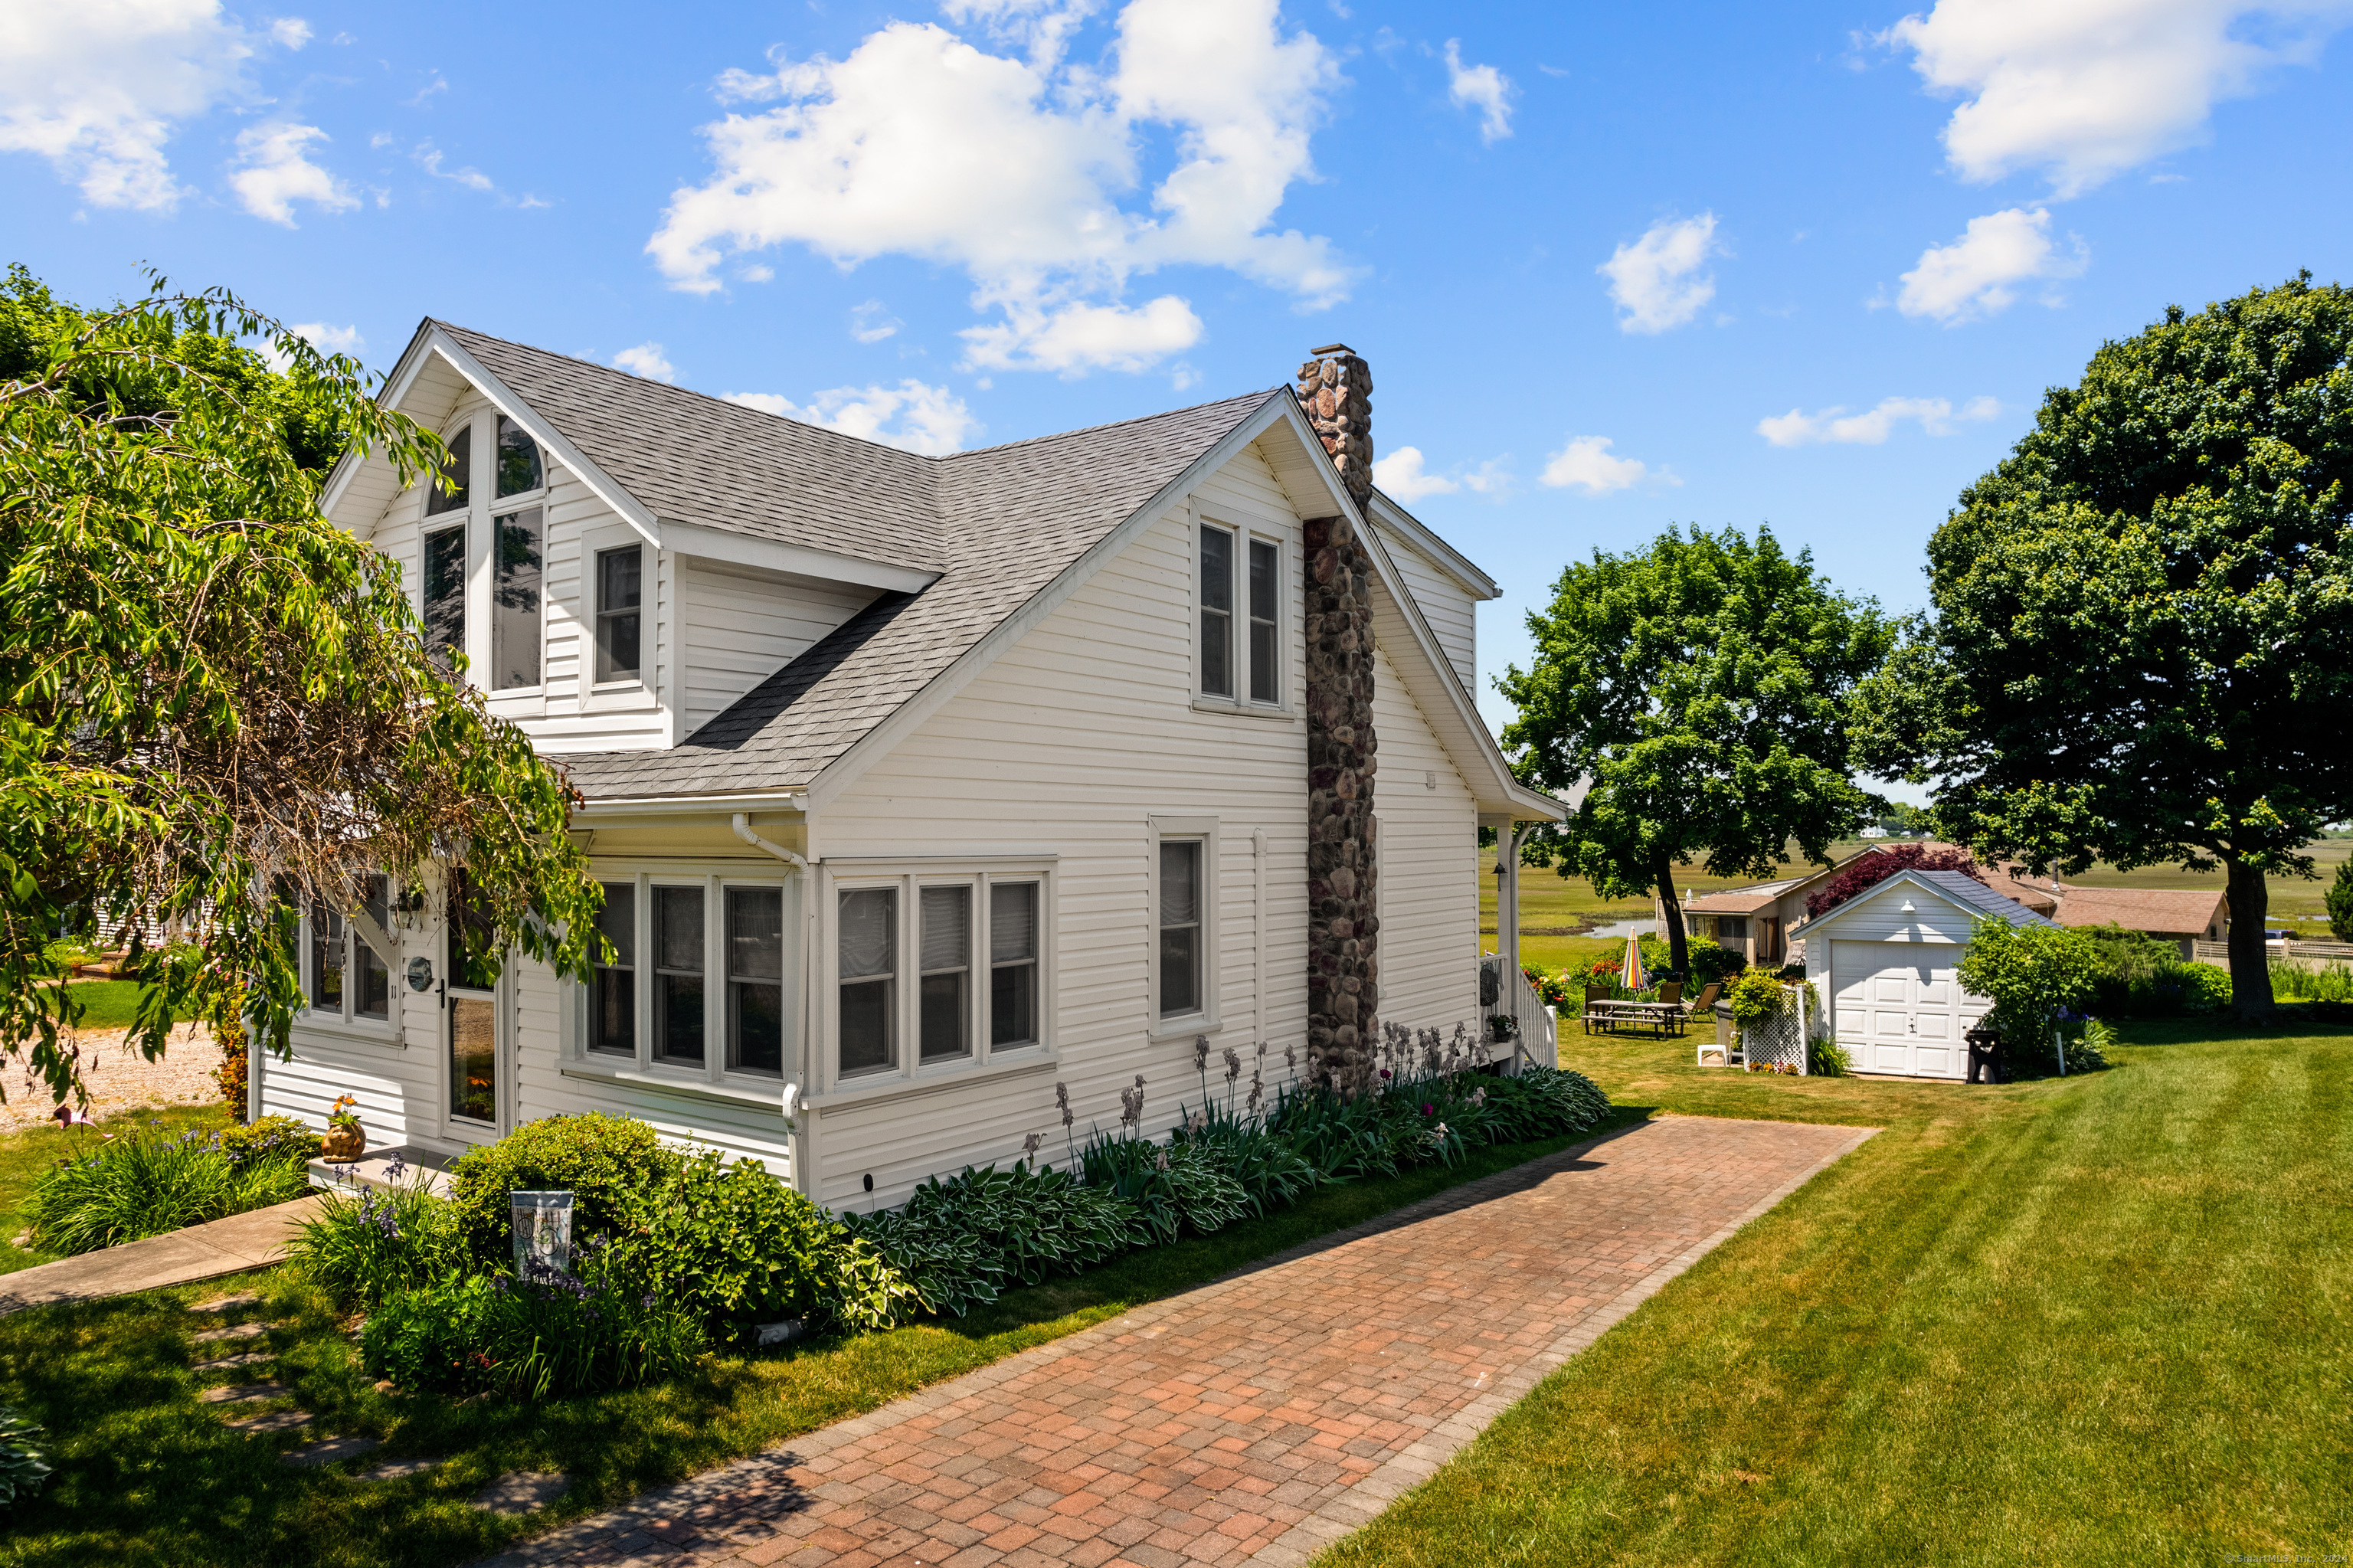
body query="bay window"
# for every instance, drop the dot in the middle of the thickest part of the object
(936, 969)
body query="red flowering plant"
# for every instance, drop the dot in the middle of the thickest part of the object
(1869, 870)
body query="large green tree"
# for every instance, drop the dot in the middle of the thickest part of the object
(1699, 689)
(2142, 645)
(212, 701)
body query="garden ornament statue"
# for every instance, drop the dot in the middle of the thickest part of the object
(543, 1232)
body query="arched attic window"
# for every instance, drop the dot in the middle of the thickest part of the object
(450, 493)
(519, 465)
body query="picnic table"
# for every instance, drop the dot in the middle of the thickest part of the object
(1661, 1018)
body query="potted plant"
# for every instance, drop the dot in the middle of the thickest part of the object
(346, 1140)
(1504, 1025)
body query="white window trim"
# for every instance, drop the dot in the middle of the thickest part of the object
(347, 1021)
(1207, 1019)
(635, 694)
(1246, 532)
(909, 877)
(714, 1075)
(479, 517)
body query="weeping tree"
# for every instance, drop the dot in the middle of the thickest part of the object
(2141, 649)
(1698, 691)
(214, 703)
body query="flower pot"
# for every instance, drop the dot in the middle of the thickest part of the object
(344, 1144)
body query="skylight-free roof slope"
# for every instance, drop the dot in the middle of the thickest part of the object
(691, 457)
(1011, 519)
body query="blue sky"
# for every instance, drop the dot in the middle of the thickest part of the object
(1614, 267)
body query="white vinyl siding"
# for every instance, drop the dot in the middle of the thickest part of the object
(1452, 613)
(742, 625)
(1429, 879)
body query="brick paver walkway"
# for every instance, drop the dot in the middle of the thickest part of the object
(1255, 1419)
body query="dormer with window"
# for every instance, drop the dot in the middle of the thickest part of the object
(483, 592)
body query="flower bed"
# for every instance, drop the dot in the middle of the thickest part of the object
(121, 1189)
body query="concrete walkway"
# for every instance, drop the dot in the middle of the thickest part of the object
(1256, 1419)
(200, 1252)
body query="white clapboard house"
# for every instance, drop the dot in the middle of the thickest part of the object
(920, 785)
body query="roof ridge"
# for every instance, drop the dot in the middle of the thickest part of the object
(1111, 424)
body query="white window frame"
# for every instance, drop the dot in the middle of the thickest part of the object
(713, 1076)
(347, 1018)
(1245, 533)
(479, 517)
(908, 878)
(1205, 1020)
(636, 694)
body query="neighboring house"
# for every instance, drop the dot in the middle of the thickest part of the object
(920, 785)
(2184, 916)
(1759, 922)
(1884, 962)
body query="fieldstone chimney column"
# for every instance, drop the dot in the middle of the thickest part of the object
(1343, 931)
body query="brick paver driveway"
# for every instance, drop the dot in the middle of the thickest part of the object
(1255, 1419)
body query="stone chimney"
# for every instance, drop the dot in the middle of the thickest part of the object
(1343, 931)
(1335, 388)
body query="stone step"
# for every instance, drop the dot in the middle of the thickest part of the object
(238, 1392)
(328, 1450)
(246, 1359)
(228, 1304)
(519, 1492)
(397, 1469)
(276, 1421)
(241, 1331)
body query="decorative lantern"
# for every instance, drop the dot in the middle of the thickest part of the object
(543, 1232)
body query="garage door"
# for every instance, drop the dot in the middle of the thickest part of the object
(1900, 1010)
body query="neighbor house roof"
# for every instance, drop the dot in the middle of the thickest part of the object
(2163, 912)
(1009, 519)
(1958, 886)
(1738, 900)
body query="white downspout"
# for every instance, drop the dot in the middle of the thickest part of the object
(1507, 933)
(742, 825)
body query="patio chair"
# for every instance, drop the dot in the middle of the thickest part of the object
(1671, 991)
(1705, 1000)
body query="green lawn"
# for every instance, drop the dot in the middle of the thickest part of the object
(108, 1004)
(24, 1155)
(2099, 1319)
(146, 1475)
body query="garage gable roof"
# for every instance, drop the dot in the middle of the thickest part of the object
(1955, 887)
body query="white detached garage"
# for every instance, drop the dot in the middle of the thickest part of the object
(1886, 961)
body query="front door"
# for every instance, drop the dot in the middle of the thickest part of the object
(1901, 1009)
(474, 1065)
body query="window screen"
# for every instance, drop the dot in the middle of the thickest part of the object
(613, 998)
(1217, 612)
(756, 979)
(514, 600)
(947, 972)
(1264, 670)
(619, 586)
(1180, 927)
(678, 974)
(867, 942)
(1013, 963)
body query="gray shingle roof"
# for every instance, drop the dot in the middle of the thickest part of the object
(691, 457)
(1006, 521)
(1965, 889)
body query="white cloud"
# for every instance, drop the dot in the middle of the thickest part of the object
(1402, 476)
(1657, 280)
(274, 171)
(1978, 274)
(319, 335)
(1936, 416)
(1026, 175)
(430, 158)
(1587, 464)
(647, 360)
(2086, 90)
(911, 416)
(99, 87)
(871, 322)
(1483, 88)
(1041, 26)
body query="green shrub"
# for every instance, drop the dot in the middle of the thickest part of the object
(1268, 1168)
(731, 1247)
(24, 1457)
(537, 1339)
(366, 1249)
(1755, 997)
(961, 1241)
(1175, 1189)
(1825, 1058)
(149, 1183)
(271, 1138)
(2312, 982)
(2035, 976)
(612, 1165)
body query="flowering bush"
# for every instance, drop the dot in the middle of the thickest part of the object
(1870, 870)
(271, 1138)
(364, 1249)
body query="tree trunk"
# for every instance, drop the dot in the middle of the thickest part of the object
(1678, 951)
(2251, 968)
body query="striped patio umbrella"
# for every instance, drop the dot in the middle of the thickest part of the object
(1633, 970)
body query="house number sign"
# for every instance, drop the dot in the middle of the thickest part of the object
(420, 973)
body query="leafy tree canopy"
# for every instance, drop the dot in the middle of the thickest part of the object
(2142, 644)
(1701, 687)
(212, 700)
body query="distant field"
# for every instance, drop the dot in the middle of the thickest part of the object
(1548, 904)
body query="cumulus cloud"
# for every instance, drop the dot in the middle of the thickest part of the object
(274, 171)
(1402, 475)
(2085, 91)
(1483, 88)
(1936, 416)
(1585, 464)
(911, 416)
(1978, 274)
(97, 89)
(319, 335)
(1026, 175)
(1656, 282)
(870, 321)
(647, 360)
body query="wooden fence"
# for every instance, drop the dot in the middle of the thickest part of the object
(2293, 951)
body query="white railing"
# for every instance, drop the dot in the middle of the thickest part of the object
(1538, 1026)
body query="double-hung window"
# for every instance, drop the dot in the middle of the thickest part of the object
(700, 984)
(620, 579)
(934, 967)
(1239, 578)
(1183, 913)
(344, 980)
